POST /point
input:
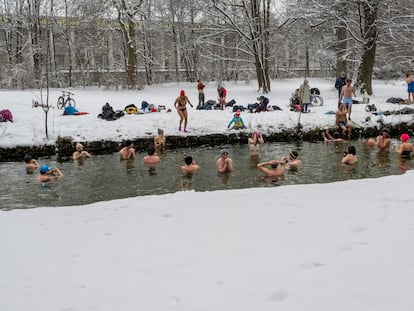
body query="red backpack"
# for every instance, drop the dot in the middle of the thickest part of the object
(6, 115)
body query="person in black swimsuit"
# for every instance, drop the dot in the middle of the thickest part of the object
(406, 148)
(180, 104)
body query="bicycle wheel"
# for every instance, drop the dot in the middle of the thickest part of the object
(70, 101)
(61, 102)
(317, 100)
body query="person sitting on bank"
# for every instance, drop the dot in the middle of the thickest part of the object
(350, 156)
(128, 151)
(406, 148)
(263, 102)
(151, 158)
(31, 164)
(238, 122)
(48, 173)
(341, 121)
(190, 165)
(80, 153)
(294, 162)
(159, 140)
(224, 164)
(277, 167)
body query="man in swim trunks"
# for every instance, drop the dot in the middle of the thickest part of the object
(346, 96)
(410, 87)
(341, 121)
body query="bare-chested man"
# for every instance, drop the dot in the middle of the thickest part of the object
(224, 163)
(341, 120)
(346, 96)
(128, 151)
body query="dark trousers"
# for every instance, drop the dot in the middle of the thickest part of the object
(201, 99)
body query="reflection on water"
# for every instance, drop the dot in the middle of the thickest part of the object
(105, 177)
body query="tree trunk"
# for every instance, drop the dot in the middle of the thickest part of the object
(370, 12)
(341, 46)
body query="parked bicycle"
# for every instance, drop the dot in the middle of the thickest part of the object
(65, 100)
(316, 99)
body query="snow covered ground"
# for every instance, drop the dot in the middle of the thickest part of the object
(340, 246)
(29, 128)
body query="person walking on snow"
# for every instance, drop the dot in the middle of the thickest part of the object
(180, 104)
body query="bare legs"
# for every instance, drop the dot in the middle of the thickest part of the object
(183, 117)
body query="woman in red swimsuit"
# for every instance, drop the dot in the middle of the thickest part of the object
(180, 104)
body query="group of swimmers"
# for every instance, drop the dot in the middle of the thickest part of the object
(382, 142)
(224, 164)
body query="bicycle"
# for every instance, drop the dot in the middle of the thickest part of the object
(316, 99)
(65, 99)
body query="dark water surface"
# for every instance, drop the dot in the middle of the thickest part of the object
(105, 177)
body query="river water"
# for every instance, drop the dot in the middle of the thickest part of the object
(105, 177)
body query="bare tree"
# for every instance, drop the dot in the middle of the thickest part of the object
(250, 20)
(127, 18)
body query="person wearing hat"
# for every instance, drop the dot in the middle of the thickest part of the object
(80, 153)
(237, 122)
(48, 173)
(254, 142)
(294, 162)
(224, 164)
(406, 148)
(159, 140)
(276, 170)
(180, 104)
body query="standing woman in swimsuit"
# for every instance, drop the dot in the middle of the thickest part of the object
(180, 104)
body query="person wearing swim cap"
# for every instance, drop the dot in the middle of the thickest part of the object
(159, 140)
(237, 122)
(254, 142)
(224, 164)
(180, 104)
(48, 173)
(294, 162)
(80, 153)
(406, 148)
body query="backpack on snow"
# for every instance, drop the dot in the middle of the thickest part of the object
(6, 115)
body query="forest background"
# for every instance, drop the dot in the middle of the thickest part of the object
(131, 44)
